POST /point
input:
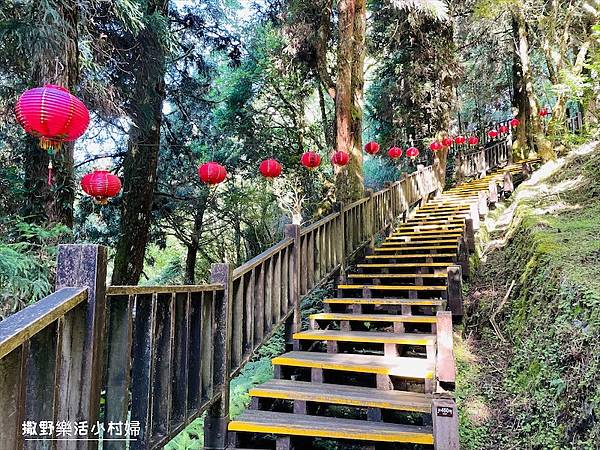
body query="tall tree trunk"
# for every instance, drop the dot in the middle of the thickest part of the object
(543, 146)
(349, 179)
(358, 86)
(521, 143)
(139, 167)
(53, 64)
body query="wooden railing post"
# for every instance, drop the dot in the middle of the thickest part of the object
(455, 297)
(294, 322)
(81, 339)
(341, 241)
(445, 423)
(217, 416)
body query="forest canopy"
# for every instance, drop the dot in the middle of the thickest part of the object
(173, 84)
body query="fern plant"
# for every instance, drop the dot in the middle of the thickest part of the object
(27, 260)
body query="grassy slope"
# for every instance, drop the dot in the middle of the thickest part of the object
(537, 385)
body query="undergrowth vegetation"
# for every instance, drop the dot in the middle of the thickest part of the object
(535, 383)
(27, 260)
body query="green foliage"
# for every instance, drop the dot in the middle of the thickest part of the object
(27, 255)
(413, 89)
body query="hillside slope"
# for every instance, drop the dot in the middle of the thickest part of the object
(534, 383)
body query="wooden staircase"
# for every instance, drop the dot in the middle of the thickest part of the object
(376, 369)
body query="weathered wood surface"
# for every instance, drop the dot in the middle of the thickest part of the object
(21, 326)
(445, 424)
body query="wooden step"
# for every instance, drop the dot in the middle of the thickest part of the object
(288, 424)
(403, 242)
(430, 227)
(372, 337)
(337, 394)
(425, 247)
(441, 233)
(402, 265)
(391, 318)
(398, 275)
(382, 287)
(417, 368)
(414, 256)
(384, 301)
(418, 239)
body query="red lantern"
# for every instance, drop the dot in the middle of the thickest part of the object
(270, 168)
(473, 140)
(102, 185)
(212, 173)
(52, 114)
(395, 152)
(492, 134)
(515, 122)
(503, 129)
(340, 158)
(310, 160)
(435, 146)
(447, 142)
(372, 148)
(412, 152)
(544, 111)
(460, 140)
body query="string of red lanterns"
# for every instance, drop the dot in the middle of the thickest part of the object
(54, 116)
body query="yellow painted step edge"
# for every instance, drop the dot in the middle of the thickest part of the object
(307, 335)
(402, 437)
(395, 371)
(338, 400)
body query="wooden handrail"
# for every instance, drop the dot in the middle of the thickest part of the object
(161, 289)
(21, 326)
(257, 260)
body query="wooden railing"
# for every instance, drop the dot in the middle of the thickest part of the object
(143, 362)
(478, 162)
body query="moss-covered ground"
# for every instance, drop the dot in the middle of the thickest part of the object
(534, 382)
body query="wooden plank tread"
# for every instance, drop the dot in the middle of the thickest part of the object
(375, 337)
(400, 265)
(418, 368)
(397, 275)
(374, 317)
(424, 247)
(383, 301)
(412, 255)
(383, 287)
(288, 424)
(400, 241)
(441, 232)
(338, 394)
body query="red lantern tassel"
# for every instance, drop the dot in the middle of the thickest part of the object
(50, 167)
